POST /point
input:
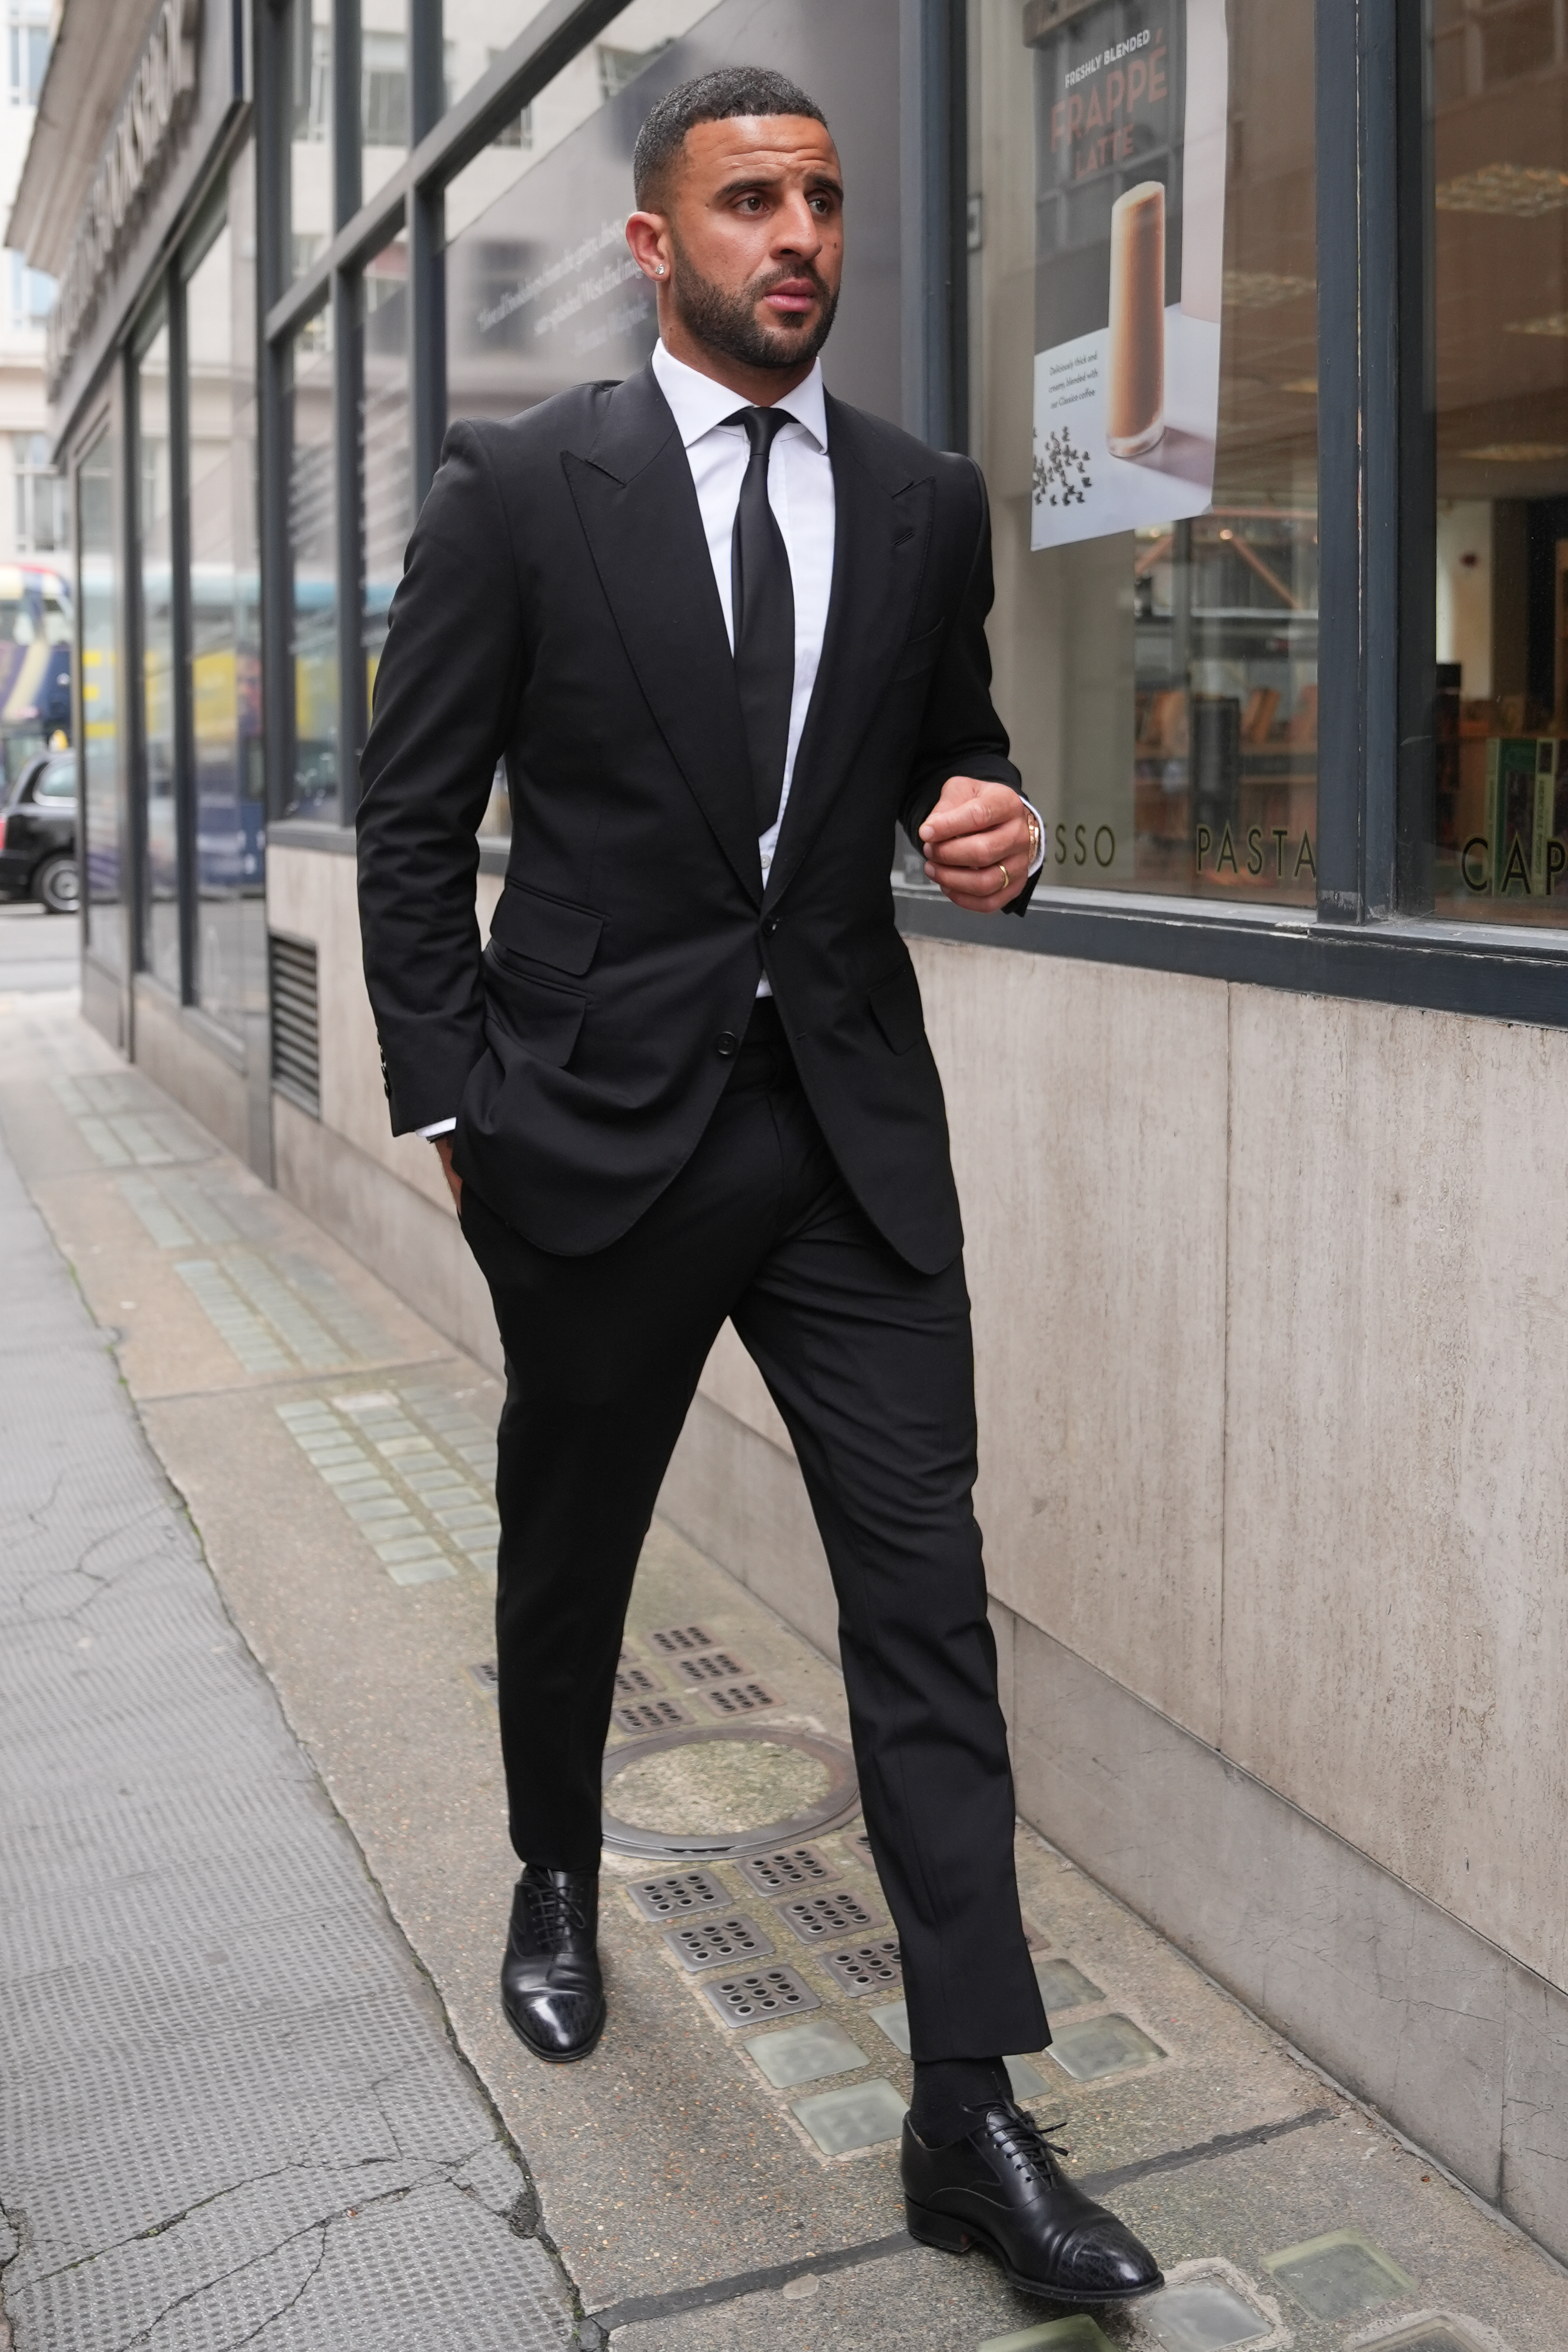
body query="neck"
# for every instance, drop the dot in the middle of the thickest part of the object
(760, 387)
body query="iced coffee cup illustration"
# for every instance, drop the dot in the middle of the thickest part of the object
(1136, 359)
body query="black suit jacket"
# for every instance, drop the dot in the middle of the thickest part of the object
(558, 608)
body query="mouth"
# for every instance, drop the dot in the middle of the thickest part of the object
(791, 299)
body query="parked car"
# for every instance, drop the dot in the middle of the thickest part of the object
(39, 835)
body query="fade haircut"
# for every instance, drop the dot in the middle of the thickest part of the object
(719, 97)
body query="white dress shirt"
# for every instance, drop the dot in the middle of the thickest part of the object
(800, 493)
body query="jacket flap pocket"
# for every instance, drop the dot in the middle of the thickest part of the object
(895, 1002)
(546, 930)
(542, 1018)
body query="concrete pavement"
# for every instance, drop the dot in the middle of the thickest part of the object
(700, 2182)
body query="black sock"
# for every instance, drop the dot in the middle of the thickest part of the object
(949, 2093)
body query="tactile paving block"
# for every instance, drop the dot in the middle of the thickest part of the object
(1334, 2277)
(791, 1866)
(710, 1943)
(677, 1895)
(805, 2053)
(863, 2116)
(1092, 2046)
(867, 1967)
(762, 1993)
(1062, 1985)
(826, 1918)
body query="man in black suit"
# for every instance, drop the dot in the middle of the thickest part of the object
(725, 632)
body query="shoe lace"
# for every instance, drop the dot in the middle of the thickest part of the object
(552, 1909)
(1026, 2144)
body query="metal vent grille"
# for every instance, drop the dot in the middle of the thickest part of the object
(822, 1918)
(682, 1891)
(716, 1941)
(670, 1641)
(868, 1967)
(752, 1999)
(634, 1682)
(712, 1666)
(295, 1022)
(738, 1699)
(642, 1715)
(795, 1865)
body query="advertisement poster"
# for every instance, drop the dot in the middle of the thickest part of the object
(1129, 261)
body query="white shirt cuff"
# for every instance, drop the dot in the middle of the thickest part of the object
(446, 1126)
(1039, 858)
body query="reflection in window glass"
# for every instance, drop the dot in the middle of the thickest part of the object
(383, 91)
(313, 562)
(474, 33)
(1158, 675)
(385, 482)
(308, 40)
(224, 682)
(1500, 79)
(155, 785)
(96, 601)
(538, 297)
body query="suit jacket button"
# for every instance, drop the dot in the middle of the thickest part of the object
(770, 925)
(726, 1043)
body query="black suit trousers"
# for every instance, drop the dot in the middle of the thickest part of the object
(871, 1365)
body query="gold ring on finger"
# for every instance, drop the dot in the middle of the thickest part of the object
(1006, 883)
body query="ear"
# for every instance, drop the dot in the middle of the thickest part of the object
(648, 234)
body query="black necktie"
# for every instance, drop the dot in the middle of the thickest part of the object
(762, 599)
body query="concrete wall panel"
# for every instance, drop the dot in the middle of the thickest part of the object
(1396, 1445)
(1088, 1112)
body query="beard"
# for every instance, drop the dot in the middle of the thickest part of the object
(729, 324)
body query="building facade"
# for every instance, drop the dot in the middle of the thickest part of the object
(1255, 314)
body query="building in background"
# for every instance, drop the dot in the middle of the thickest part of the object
(1264, 1097)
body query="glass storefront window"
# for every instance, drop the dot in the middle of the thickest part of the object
(473, 35)
(386, 486)
(309, 130)
(383, 91)
(224, 682)
(1144, 402)
(97, 599)
(313, 784)
(539, 296)
(156, 758)
(1500, 82)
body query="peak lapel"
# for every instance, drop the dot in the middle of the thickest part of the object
(639, 512)
(882, 529)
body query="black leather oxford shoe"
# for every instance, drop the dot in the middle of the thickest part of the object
(1001, 2187)
(551, 1989)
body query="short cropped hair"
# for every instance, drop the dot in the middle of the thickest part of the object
(718, 97)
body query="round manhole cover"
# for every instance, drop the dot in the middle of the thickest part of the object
(738, 1790)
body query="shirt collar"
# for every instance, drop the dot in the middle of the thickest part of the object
(698, 403)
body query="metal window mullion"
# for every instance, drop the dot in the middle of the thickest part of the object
(347, 372)
(132, 747)
(180, 620)
(1417, 822)
(1359, 523)
(346, 175)
(932, 57)
(272, 454)
(427, 269)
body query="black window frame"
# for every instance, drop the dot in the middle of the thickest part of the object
(1372, 933)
